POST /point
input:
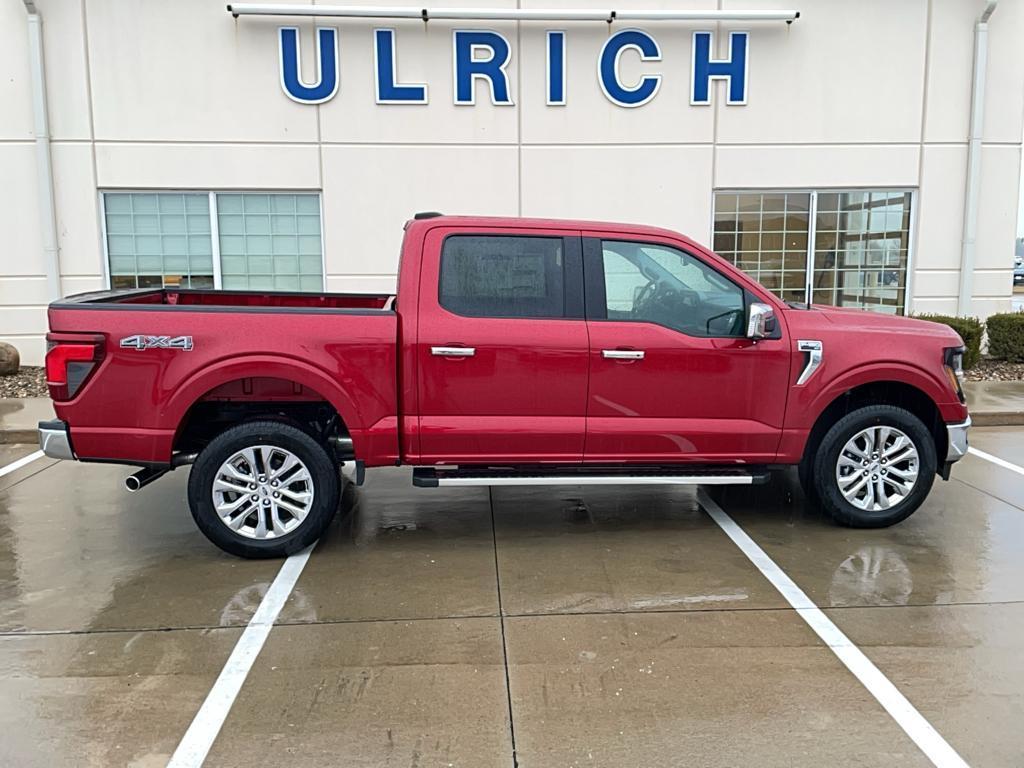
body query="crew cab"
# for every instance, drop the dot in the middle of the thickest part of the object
(516, 351)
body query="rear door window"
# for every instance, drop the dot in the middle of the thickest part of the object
(503, 276)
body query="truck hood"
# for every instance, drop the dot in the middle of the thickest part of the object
(876, 322)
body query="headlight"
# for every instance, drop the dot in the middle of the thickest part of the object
(953, 362)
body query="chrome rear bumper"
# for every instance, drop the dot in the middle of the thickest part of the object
(957, 434)
(54, 440)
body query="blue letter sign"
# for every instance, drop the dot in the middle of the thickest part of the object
(556, 69)
(608, 68)
(468, 67)
(481, 54)
(326, 84)
(706, 69)
(389, 91)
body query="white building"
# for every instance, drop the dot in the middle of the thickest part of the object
(841, 173)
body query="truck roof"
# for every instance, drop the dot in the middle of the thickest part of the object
(431, 220)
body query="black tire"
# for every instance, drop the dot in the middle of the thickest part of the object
(826, 457)
(323, 470)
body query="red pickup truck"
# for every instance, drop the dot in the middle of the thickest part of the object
(516, 352)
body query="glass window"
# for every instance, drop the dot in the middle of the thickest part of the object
(270, 241)
(266, 241)
(158, 239)
(502, 276)
(860, 244)
(765, 235)
(659, 284)
(861, 248)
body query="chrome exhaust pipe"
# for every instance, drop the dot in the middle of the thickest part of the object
(142, 478)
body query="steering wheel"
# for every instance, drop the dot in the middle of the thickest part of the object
(642, 297)
(669, 296)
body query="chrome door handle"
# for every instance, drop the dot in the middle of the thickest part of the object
(453, 351)
(623, 354)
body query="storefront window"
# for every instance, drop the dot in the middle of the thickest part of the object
(766, 235)
(156, 240)
(270, 242)
(854, 248)
(264, 241)
(860, 251)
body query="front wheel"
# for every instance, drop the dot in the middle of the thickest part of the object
(263, 489)
(874, 467)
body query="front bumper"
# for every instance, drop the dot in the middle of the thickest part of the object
(957, 442)
(54, 439)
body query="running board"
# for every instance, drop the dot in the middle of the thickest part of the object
(431, 477)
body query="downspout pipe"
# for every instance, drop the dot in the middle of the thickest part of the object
(967, 253)
(44, 163)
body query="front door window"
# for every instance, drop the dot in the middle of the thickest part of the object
(659, 284)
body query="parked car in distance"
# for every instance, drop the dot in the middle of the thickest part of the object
(1018, 270)
(516, 352)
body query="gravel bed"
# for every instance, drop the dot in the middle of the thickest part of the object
(995, 370)
(28, 382)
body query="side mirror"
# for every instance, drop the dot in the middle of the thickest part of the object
(761, 321)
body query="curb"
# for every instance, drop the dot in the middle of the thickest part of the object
(997, 419)
(18, 435)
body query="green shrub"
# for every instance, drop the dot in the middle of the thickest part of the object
(970, 330)
(1006, 336)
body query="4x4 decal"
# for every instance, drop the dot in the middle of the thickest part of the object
(141, 342)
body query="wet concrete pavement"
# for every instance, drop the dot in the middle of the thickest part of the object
(435, 627)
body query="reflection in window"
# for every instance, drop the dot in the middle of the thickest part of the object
(860, 250)
(765, 235)
(860, 244)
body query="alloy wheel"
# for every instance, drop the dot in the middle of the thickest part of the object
(877, 468)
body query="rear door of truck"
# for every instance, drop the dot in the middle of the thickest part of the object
(502, 346)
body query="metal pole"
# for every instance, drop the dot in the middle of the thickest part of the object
(967, 253)
(44, 165)
(504, 14)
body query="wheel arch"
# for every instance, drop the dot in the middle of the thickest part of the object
(314, 386)
(881, 392)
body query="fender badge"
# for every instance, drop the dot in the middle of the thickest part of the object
(140, 342)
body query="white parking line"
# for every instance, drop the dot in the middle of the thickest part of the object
(996, 460)
(23, 461)
(198, 739)
(895, 703)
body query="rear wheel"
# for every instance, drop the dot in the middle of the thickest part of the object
(874, 467)
(263, 489)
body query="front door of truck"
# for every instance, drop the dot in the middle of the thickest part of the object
(502, 347)
(672, 376)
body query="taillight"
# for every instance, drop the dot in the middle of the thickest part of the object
(70, 360)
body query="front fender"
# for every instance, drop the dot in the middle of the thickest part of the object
(810, 402)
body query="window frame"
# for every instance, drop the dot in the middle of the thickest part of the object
(813, 192)
(596, 289)
(572, 275)
(214, 225)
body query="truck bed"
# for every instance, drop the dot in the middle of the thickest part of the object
(165, 351)
(221, 298)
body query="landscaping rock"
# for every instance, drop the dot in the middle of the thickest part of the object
(10, 361)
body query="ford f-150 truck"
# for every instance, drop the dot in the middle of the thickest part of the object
(516, 351)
